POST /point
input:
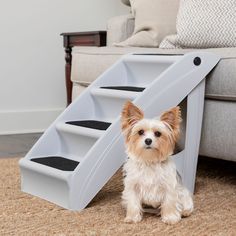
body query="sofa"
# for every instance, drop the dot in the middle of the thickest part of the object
(219, 121)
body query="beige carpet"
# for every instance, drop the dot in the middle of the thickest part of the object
(215, 208)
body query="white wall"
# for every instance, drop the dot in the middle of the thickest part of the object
(32, 89)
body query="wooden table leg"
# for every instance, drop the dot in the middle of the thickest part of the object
(68, 58)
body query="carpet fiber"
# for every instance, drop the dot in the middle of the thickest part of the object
(215, 208)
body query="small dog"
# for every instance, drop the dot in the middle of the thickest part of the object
(150, 175)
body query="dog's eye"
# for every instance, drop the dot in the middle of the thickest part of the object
(141, 132)
(157, 134)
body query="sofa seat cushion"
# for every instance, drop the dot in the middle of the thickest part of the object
(90, 62)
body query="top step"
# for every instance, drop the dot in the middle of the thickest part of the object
(152, 58)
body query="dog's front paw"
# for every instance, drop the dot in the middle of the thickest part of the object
(133, 219)
(171, 218)
(187, 208)
(187, 212)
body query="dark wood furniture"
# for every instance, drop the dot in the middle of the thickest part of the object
(92, 38)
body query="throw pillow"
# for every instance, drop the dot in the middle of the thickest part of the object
(126, 2)
(154, 19)
(204, 24)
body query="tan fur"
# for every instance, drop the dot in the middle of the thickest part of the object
(130, 115)
(173, 119)
(151, 176)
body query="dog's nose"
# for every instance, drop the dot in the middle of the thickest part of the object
(148, 141)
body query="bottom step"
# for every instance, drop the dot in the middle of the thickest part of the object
(57, 162)
(51, 184)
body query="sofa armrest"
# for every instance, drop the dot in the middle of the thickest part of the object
(119, 28)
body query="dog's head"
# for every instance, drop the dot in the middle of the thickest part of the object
(150, 140)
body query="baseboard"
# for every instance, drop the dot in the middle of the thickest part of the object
(29, 121)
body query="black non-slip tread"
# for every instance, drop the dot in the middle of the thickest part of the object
(92, 124)
(125, 88)
(57, 162)
(157, 54)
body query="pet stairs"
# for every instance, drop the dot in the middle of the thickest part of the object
(84, 147)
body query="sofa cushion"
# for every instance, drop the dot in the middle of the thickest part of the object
(119, 28)
(204, 24)
(89, 62)
(154, 19)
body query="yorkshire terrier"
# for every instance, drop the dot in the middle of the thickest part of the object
(150, 175)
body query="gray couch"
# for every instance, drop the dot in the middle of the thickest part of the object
(219, 123)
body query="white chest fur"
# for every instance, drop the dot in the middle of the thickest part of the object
(150, 182)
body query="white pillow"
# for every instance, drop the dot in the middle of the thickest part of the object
(126, 2)
(204, 24)
(154, 19)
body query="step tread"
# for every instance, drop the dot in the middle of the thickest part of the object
(125, 88)
(92, 124)
(57, 162)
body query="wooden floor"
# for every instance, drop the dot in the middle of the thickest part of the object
(17, 145)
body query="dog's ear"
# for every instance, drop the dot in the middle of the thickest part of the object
(173, 119)
(130, 115)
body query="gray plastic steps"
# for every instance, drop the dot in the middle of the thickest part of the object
(57, 162)
(92, 124)
(81, 150)
(125, 88)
